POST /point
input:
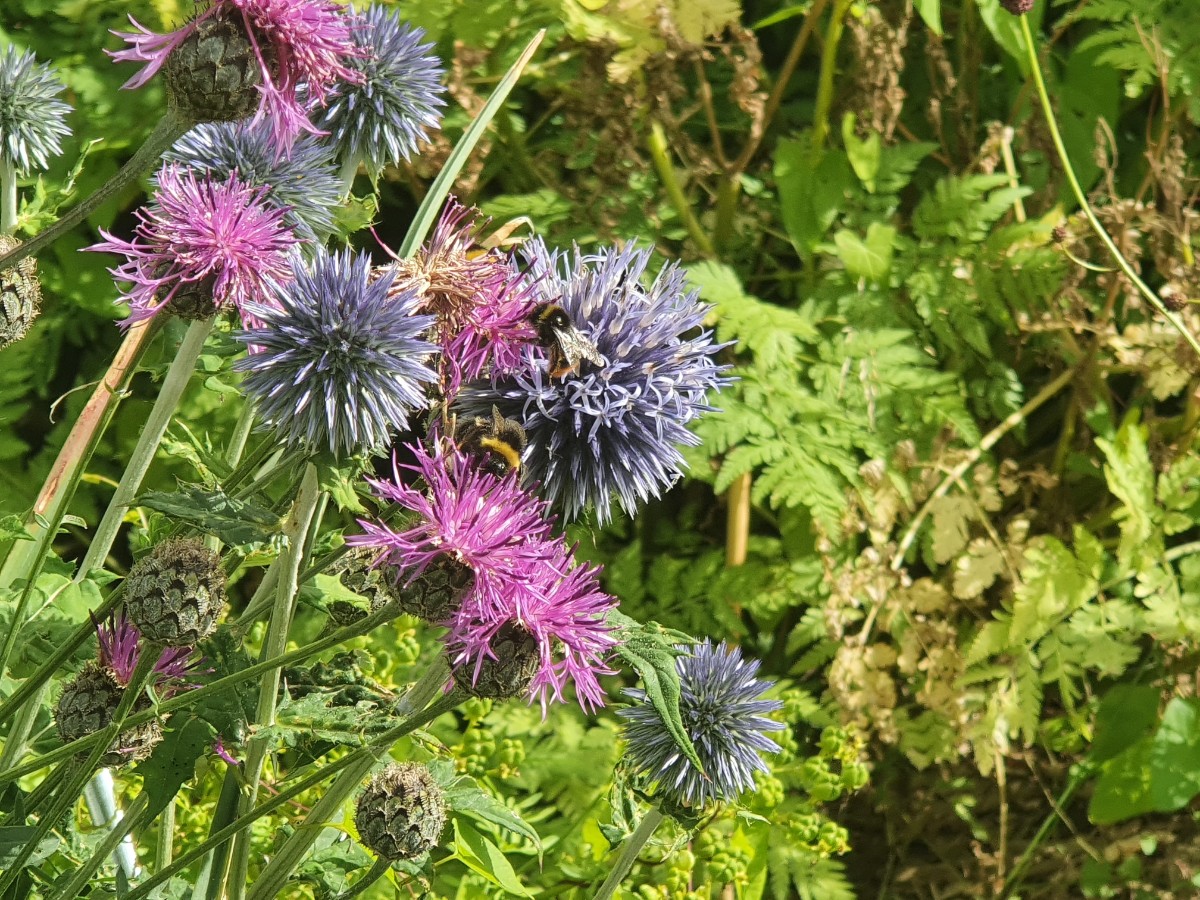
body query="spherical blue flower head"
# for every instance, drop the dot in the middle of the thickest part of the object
(384, 118)
(339, 366)
(305, 183)
(31, 119)
(724, 716)
(615, 428)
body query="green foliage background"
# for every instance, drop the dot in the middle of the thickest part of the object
(973, 555)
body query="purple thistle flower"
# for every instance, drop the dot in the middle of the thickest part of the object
(197, 231)
(616, 428)
(559, 604)
(340, 361)
(724, 717)
(482, 302)
(468, 515)
(120, 650)
(384, 115)
(305, 41)
(31, 116)
(304, 184)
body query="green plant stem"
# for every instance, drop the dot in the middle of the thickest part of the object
(166, 837)
(629, 853)
(1013, 881)
(428, 211)
(660, 154)
(172, 390)
(269, 884)
(8, 196)
(375, 749)
(1081, 198)
(123, 826)
(829, 52)
(307, 500)
(989, 440)
(169, 129)
(189, 698)
(71, 776)
(360, 887)
(241, 434)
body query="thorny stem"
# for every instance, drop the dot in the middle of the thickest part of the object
(1061, 149)
(629, 853)
(274, 644)
(379, 746)
(72, 776)
(8, 196)
(287, 857)
(169, 129)
(118, 830)
(172, 390)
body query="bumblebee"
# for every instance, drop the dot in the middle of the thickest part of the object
(565, 344)
(498, 442)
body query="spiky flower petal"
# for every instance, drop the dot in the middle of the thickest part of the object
(482, 302)
(304, 184)
(31, 116)
(340, 363)
(384, 116)
(297, 42)
(612, 429)
(221, 238)
(724, 715)
(558, 607)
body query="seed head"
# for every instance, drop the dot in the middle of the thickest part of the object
(401, 813)
(175, 593)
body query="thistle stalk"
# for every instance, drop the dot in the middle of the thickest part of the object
(629, 853)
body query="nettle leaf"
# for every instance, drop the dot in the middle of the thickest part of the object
(464, 796)
(236, 522)
(651, 650)
(812, 189)
(869, 257)
(173, 761)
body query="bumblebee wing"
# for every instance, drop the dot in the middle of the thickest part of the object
(575, 347)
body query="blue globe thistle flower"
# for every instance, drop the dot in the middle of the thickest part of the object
(724, 717)
(339, 366)
(385, 115)
(305, 183)
(31, 119)
(611, 428)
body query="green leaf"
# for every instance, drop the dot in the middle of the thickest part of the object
(1130, 476)
(651, 650)
(173, 762)
(930, 12)
(482, 856)
(1156, 774)
(431, 206)
(466, 797)
(812, 187)
(870, 259)
(12, 528)
(236, 522)
(864, 155)
(1126, 715)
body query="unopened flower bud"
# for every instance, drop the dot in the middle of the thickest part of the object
(1059, 234)
(175, 593)
(87, 705)
(507, 675)
(1017, 7)
(214, 74)
(401, 813)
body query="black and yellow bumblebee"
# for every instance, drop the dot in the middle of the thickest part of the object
(565, 344)
(498, 442)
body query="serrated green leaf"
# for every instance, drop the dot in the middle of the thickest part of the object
(236, 522)
(466, 797)
(480, 855)
(651, 650)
